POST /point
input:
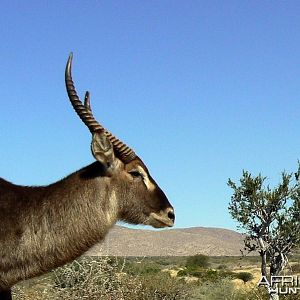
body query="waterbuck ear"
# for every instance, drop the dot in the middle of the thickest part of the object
(102, 149)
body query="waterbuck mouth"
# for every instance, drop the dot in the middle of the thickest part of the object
(162, 220)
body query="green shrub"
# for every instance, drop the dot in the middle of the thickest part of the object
(223, 289)
(245, 276)
(210, 275)
(222, 267)
(197, 261)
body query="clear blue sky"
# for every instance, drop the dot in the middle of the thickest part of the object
(200, 90)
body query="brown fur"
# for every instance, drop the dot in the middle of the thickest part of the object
(45, 227)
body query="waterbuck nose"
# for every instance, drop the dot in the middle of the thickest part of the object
(164, 218)
(171, 215)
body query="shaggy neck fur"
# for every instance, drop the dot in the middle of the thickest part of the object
(45, 227)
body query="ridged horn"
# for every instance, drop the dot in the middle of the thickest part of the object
(84, 111)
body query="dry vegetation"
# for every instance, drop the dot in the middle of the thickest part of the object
(151, 278)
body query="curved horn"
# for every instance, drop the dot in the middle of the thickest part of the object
(84, 111)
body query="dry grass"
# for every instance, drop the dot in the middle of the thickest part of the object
(104, 279)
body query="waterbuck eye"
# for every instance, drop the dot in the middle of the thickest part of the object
(136, 174)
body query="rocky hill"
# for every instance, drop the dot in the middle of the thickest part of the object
(122, 241)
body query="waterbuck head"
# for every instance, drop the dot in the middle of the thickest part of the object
(139, 199)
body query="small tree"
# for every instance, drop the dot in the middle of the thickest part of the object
(269, 217)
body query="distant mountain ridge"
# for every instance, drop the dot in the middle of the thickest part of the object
(123, 241)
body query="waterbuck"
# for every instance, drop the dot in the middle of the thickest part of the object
(44, 227)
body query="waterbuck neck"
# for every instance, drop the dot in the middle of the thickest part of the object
(47, 227)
